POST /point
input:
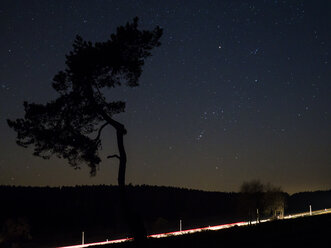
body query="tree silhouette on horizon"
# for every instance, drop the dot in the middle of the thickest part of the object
(260, 199)
(71, 126)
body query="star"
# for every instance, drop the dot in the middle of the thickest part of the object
(254, 52)
(202, 132)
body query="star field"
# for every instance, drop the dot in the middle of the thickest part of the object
(238, 90)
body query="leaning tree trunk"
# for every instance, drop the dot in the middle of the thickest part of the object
(135, 223)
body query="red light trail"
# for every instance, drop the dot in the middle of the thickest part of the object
(189, 231)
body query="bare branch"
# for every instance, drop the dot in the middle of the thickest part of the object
(114, 156)
(100, 129)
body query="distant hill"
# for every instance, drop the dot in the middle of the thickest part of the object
(300, 201)
(57, 216)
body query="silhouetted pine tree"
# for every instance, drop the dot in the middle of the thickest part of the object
(70, 126)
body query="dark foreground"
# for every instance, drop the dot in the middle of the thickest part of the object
(312, 231)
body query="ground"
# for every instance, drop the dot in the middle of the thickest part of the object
(301, 232)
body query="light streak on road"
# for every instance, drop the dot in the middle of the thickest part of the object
(99, 243)
(195, 230)
(163, 235)
(213, 228)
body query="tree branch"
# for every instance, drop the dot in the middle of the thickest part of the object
(100, 129)
(114, 156)
(117, 125)
(100, 95)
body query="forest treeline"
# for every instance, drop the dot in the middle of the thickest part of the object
(62, 213)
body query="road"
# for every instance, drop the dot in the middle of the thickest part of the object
(211, 228)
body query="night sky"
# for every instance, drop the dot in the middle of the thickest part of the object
(238, 90)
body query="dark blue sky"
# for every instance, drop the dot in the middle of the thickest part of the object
(238, 90)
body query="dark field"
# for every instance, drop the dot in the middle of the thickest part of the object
(41, 217)
(312, 232)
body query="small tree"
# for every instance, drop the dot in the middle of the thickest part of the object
(70, 126)
(251, 198)
(274, 201)
(259, 199)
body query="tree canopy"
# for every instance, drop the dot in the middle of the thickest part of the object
(70, 126)
(267, 198)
